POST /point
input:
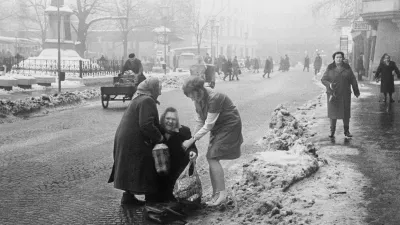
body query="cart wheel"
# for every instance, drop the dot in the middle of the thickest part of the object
(104, 100)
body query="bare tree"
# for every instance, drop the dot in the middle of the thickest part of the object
(347, 8)
(200, 22)
(92, 10)
(32, 14)
(137, 15)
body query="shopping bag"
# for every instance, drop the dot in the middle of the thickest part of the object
(188, 186)
(161, 158)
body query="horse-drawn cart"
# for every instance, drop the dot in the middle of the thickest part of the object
(123, 86)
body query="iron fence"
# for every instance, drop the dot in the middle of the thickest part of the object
(77, 68)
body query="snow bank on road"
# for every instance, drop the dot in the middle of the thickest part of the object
(33, 104)
(259, 197)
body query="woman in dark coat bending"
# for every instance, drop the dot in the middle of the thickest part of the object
(385, 72)
(175, 134)
(139, 130)
(338, 80)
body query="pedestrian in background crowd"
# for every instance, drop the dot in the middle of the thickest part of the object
(268, 66)
(306, 64)
(338, 80)
(317, 64)
(385, 74)
(208, 59)
(218, 115)
(360, 66)
(235, 68)
(256, 65)
(138, 132)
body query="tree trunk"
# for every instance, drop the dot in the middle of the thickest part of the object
(82, 33)
(198, 48)
(125, 44)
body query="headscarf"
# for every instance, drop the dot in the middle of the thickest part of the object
(149, 87)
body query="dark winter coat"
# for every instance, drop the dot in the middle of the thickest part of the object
(318, 63)
(179, 158)
(307, 62)
(385, 72)
(344, 79)
(256, 64)
(137, 133)
(133, 64)
(268, 66)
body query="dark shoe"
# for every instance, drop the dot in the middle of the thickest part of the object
(129, 199)
(347, 134)
(333, 130)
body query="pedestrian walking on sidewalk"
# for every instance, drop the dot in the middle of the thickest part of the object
(338, 80)
(138, 132)
(218, 115)
(235, 69)
(306, 64)
(268, 66)
(385, 73)
(317, 64)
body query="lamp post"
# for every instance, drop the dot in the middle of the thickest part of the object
(217, 33)
(59, 45)
(212, 24)
(165, 11)
(246, 36)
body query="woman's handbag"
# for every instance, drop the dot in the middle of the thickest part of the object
(161, 158)
(188, 187)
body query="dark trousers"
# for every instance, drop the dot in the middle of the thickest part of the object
(308, 68)
(228, 74)
(346, 122)
(316, 71)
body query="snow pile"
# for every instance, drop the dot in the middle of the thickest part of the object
(284, 130)
(259, 197)
(33, 104)
(171, 80)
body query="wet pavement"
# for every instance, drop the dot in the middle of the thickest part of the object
(375, 126)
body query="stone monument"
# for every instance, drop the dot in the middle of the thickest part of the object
(50, 47)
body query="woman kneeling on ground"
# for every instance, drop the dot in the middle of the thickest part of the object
(218, 115)
(175, 134)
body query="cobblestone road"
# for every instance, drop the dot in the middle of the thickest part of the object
(54, 168)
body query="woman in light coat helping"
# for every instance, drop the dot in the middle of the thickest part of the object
(218, 115)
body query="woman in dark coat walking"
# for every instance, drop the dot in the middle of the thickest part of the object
(338, 80)
(385, 73)
(139, 130)
(268, 66)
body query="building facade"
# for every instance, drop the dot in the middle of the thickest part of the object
(383, 17)
(231, 33)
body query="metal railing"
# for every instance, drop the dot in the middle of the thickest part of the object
(74, 68)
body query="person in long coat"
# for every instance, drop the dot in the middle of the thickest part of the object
(317, 64)
(306, 63)
(139, 130)
(268, 67)
(235, 69)
(385, 73)
(338, 80)
(216, 114)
